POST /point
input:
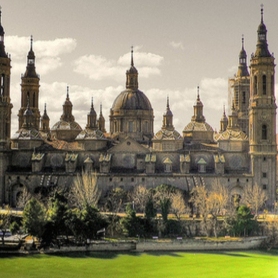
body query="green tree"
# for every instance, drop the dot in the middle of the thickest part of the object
(163, 195)
(34, 218)
(5, 221)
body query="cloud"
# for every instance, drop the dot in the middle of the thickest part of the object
(98, 67)
(177, 45)
(48, 53)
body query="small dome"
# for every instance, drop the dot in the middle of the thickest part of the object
(63, 125)
(131, 100)
(90, 134)
(167, 135)
(198, 126)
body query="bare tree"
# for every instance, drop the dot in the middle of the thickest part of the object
(85, 190)
(210, 204)
(178, 206)
(140, 196)
(254, 197)
(23, 198)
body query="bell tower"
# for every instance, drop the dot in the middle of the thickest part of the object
(30, 90)
(5, 100)
(262, 116)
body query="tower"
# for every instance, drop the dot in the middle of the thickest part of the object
(30, 89)
(5, 111)
(5, 100)
(262, 116)
(45, 121)
(240, 90)
(92, 117)
(168, 118)
(101, 121)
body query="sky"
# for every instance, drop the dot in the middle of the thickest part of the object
(178, 45)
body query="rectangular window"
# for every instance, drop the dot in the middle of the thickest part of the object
(264, 85)
(264, 186)
(130, 126)
(264, 175)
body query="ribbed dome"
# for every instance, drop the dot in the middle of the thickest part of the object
(131, 100)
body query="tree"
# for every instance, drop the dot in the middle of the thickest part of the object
(210, 204)
(163, 195)
(23, 197)
(178, 206)
(114, 202)
(140, 196)
(5, 221)
(57, 214)
(245, 221)
(254, 197)
(271, 231)
(85, 190)
(34, 218)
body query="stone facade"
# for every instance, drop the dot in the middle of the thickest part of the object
(242, 153)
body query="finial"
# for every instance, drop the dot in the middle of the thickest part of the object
(168, 101)
(262, 13)
(242, 41)
(31, 42)
(132, 64)
(224, 110)
(0, 13)
(100, 109)
(67, 92)
(45, 107)
(92, 102)
(198, 95)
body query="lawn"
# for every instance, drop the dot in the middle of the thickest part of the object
(132, 265)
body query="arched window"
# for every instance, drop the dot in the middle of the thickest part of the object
(264, 85)
(264, 132)
(255, 84)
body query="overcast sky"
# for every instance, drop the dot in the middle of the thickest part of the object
(178, 45)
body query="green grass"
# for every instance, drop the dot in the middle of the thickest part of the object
(132, 265)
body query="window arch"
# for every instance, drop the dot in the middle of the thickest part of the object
(264, 132)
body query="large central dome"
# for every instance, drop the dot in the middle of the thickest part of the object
(131, 100)
(131, 113)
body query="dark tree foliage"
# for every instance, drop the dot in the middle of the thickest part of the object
(34, 218)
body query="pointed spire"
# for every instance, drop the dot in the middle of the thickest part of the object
(31, 42)
(262, 46)
(132, 75)
(168, 117)
(132, 64)
(67, 109)
(242, 67)
(31, 69)
(198, 109)
(92, 117)
(101, 121)
(262, 13)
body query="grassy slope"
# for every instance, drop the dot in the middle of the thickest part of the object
(170, 264)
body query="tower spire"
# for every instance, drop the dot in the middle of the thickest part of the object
(262, 13)
(132, 64)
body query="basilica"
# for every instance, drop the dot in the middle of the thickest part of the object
(40, 157)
